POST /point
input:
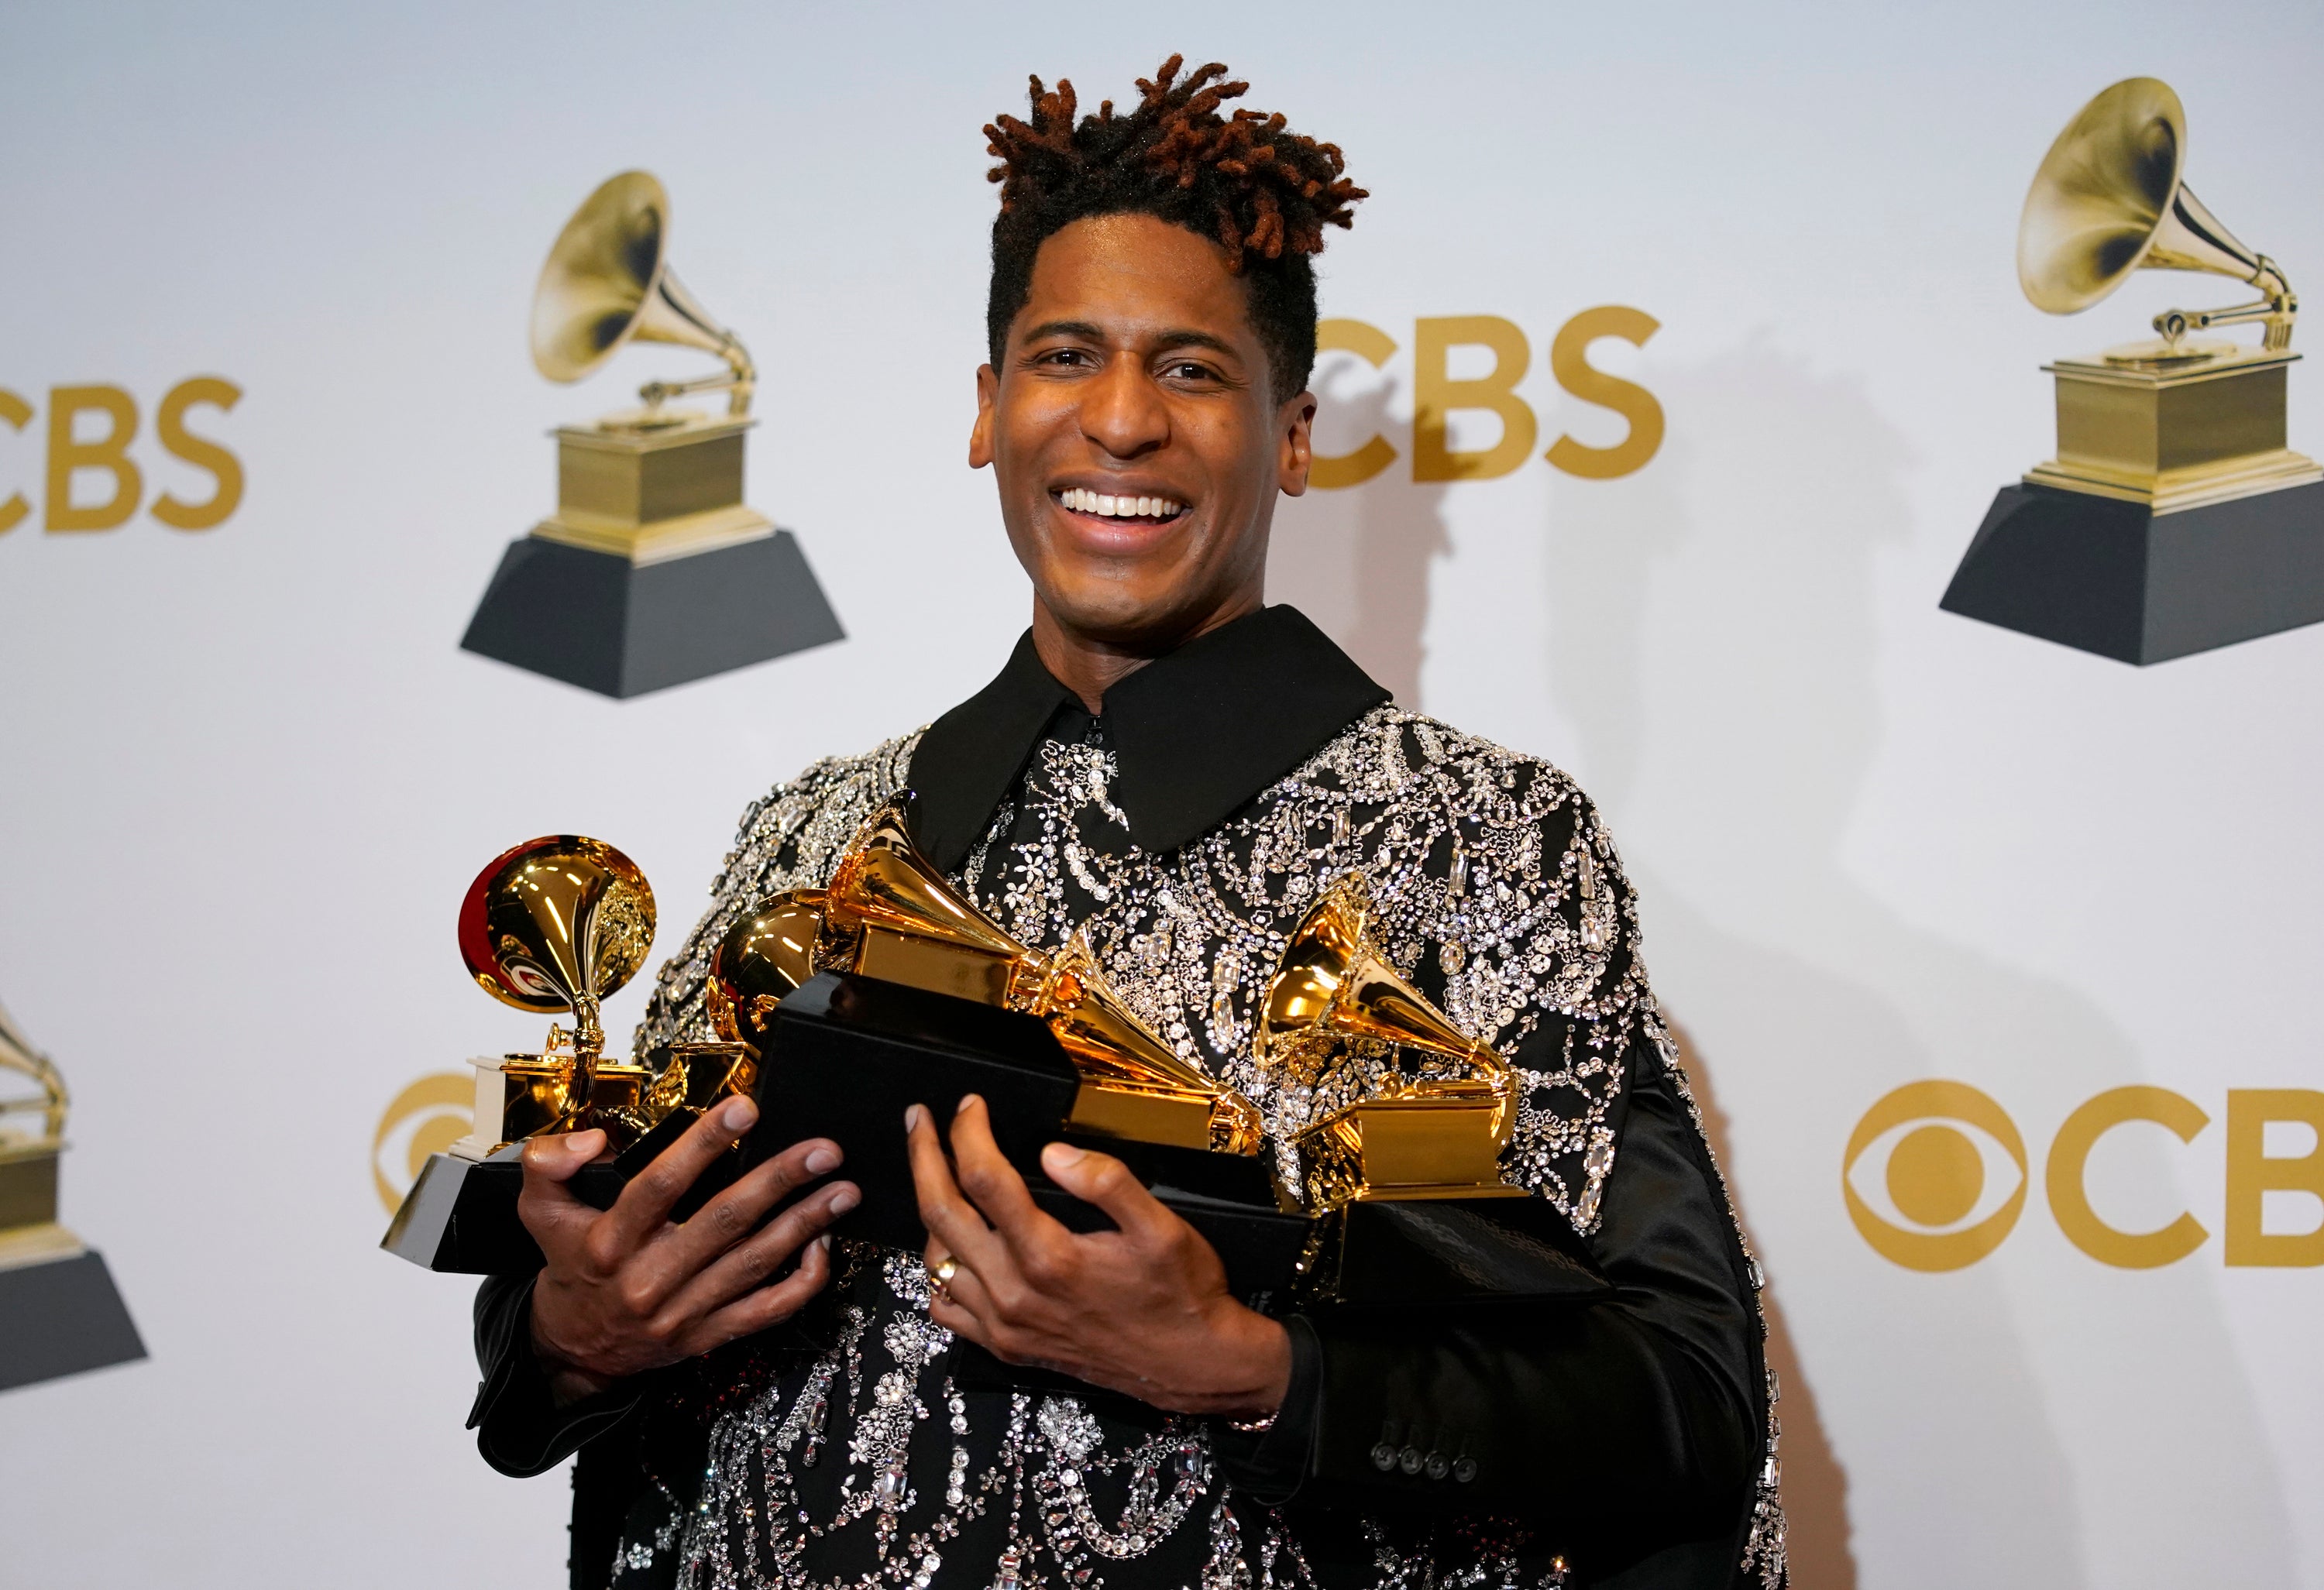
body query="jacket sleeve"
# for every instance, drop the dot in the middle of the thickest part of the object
(1634, 1415)
(519, 1428)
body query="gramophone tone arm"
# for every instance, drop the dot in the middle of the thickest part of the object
(2277, 310)
(17, 1055)
(741, 380)
(738, 384)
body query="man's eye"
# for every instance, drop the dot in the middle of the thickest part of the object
(1187, 370)
(1065, 356)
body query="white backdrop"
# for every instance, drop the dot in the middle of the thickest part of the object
(249, 772)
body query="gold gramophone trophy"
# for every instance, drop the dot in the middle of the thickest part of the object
(556, 926)
(652, 571)
(62, 1312)
(1401, 1181)
(1336, 1003)
(1398, 1197)
(889, 913)
(2173, 518)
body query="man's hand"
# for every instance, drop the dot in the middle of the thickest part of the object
(625, 1291)
(1142, 1310)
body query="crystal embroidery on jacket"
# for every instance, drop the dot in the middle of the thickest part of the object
(1500, 894)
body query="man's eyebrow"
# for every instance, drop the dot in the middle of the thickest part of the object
(1176, 338)
(1088, 331)
(1187, 337)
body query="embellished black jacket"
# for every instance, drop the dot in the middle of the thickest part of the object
(1627, 1443)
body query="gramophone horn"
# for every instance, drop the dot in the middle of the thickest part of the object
(762, 959)
(2111, 197)
(1134, 1085)
(1334, 984)
(1435, 1137)
(887, 912)
(559, 924)
(607, 281)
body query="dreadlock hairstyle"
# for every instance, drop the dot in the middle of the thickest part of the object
(1263, 193)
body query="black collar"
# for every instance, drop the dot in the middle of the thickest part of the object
(1196, 734)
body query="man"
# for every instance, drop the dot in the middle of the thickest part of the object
(1180, 769)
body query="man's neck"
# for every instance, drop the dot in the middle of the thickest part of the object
(1089, 664)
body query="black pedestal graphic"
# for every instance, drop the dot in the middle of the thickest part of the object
(2124, 582)
(621, 629)
(62, 1317)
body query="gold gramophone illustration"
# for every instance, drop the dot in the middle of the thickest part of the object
(2180, 420)
(654, 481)
(64, 1312)
(29, 1231)
(1336, 1001)
(889, 913)
(2175, 517)
(652, 571)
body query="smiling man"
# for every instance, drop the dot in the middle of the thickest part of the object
(1180, 768)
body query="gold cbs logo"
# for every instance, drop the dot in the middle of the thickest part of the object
(1437, 395)
(427, 1117)
(92, 482)
(1936, 1175)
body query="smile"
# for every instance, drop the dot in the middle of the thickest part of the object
(1156, 508)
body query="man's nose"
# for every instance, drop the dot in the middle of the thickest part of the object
(1122, 412)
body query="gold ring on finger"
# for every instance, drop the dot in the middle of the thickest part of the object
(946, 1268)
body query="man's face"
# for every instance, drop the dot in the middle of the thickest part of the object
(1133, 437)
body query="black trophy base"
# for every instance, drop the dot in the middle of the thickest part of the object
(62, 1316)
(620, 629)
(460, 1217)
(845, 1055)
(2122, 580)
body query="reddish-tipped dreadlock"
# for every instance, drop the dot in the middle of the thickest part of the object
(1262, 192)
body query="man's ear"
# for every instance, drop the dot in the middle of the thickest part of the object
(1295, 424)
(979, 436)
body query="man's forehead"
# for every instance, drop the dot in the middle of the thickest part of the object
(1135, 279)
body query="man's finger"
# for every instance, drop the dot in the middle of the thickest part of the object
(962, 1305)
(735, 1213)
(767, 1307)
(948, 1216)
(1104, 1180)
(747, 1266)
(987, 1177)
(545, 1204)
(646, 1202)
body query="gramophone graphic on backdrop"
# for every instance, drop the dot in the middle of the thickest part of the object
(652, 572)
(59, 1311)
(2173, 518)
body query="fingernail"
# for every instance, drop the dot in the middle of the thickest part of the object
(739, 1114)
(912, 1118)
(823, 1245)
(965, 1101)
(1064, 1155)
(844, 1199)
(822, 1160)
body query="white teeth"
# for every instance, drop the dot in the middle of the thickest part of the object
(1111, 507)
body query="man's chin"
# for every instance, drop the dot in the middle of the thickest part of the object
(1129, 618)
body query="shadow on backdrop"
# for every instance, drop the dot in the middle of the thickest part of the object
(1357, 561)
(1726, 699)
